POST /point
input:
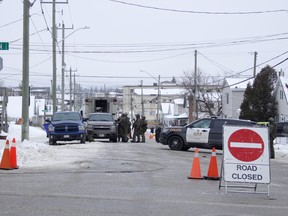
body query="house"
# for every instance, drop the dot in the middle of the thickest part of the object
(233, 90)
(281, 97)
(148, 95)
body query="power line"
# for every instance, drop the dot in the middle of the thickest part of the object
(200, 12)
(11, 23)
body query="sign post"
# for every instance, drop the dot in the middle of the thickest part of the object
(246, 155)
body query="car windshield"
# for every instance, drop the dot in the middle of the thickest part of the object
(100, 117)
(66, 116)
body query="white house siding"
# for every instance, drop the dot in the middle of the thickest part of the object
(237, 99)
(281, 94)
(232, 96)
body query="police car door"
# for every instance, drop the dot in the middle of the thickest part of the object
(198, 132)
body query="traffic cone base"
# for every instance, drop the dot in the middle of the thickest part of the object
(5, 161)
(195, 170)
(213, 168)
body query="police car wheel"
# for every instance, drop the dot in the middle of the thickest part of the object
(175, 143)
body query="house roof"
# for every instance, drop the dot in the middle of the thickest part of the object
(154, 91)
(237, 82)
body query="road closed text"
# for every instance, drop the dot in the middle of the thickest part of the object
(246, 173)
(245, 176)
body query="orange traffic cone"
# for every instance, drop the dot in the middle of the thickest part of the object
(13, 155)
(5, 162)
(213, 168)
(195, 170)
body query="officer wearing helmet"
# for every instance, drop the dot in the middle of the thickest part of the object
(143, 128)
(124, 125)
(272, 136)
(137, 129)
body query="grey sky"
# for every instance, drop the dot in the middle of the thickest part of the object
(120, 36)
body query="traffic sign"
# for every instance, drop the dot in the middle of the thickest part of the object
(246, 145)
(4, 46)
(246, 154)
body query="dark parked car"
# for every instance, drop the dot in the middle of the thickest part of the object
(101, 126)
(66, 126)
(203, 133)
(282, 129)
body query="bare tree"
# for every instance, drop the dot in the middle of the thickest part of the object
(208, 93)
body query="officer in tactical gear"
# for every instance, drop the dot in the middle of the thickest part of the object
(272, 136)
(143, 128)
(124, 124)
(137, 129)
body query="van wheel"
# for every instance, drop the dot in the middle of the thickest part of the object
(175, 143)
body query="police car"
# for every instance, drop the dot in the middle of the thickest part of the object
(203, 133)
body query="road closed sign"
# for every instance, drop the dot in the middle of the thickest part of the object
(246, 154)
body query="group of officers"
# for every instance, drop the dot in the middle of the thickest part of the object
(139, 127)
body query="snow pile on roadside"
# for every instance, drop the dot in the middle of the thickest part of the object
(38, 153)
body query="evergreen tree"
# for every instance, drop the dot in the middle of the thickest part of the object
(259, 103)
(247, 106)
(173, 80)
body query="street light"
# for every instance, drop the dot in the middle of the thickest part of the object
(81, 28)
(158, 95)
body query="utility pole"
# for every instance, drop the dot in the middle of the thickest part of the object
(63, 67)
(25, 73)
(54, 39)
(70, 94)
(194, 89)
(70, 101)
(131, 103)
(142, 101)
(74, 93)
(54, 99)
(158, 102)
(255, 60)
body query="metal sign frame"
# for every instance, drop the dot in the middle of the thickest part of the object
(250, 171)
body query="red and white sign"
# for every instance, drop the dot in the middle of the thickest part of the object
(246, 145)
(246, 154)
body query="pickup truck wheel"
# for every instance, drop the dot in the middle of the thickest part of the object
(175, 143)
(113, 139)
(52, 142)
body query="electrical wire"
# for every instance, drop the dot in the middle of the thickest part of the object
(200, 12)
(11, 23)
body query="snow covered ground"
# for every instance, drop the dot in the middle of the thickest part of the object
(37, 153)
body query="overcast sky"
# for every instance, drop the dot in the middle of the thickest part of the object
(159, 37)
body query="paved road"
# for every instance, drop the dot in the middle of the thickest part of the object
(134, 179)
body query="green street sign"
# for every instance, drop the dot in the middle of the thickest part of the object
(4, 46)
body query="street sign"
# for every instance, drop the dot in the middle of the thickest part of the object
(4, 46)
(246, 154)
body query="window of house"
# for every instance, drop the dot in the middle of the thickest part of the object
(281, 95)
(227, 98)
